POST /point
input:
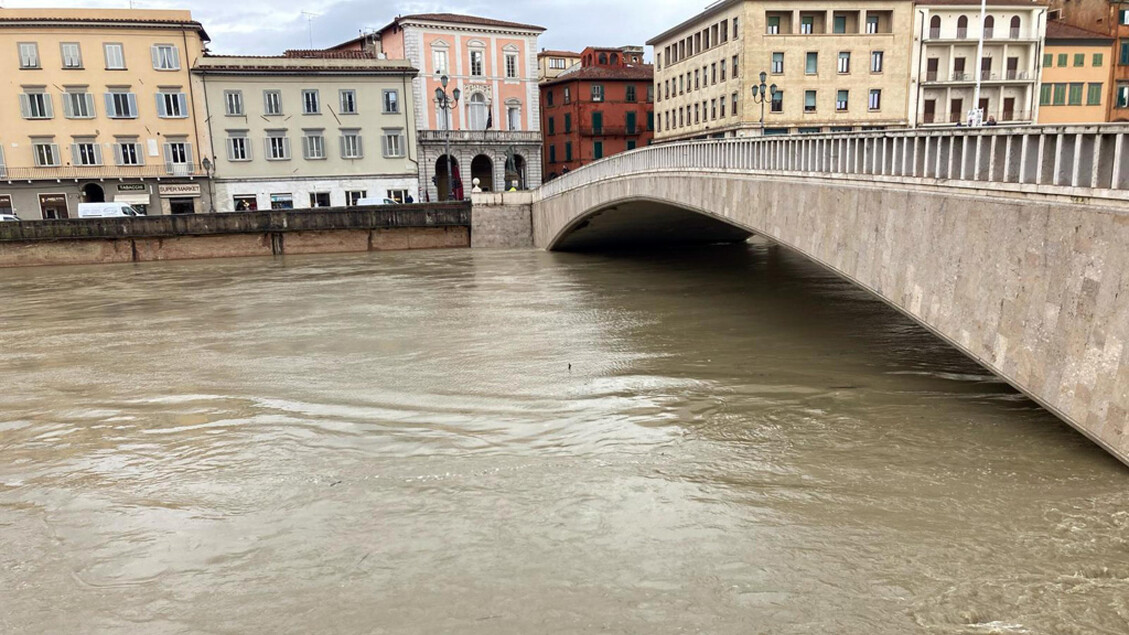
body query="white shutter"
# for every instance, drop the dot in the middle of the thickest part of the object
(161, 111)
(286, 147)
(25, 106)
(68, 108)
(343, 152)
(188, 157)
(385, 145)
(56, 158)
(230, 149)
(98, 153)
(306, 147)
(168, 158)
(132, 98)
(175, 57)
(118, 154)
(48, 108)
(75, 155)
(140, 152)
(266, 149)
(156, 53)
(110, 105)
(360, 147)
(183, 104)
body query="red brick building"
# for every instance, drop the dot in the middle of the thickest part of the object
(603, 107)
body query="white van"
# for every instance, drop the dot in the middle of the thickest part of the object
(103, 210)
(376, 201)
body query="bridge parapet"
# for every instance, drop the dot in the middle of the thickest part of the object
(1081, 162)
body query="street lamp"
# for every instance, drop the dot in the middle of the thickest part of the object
(761, 94)
(446, 104)
(208, 168)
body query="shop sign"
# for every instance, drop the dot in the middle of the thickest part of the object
(52, 199)
(132, 187)
(5, 202)
(179, 189)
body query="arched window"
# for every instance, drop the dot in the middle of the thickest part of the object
(477, 111)
(962, 27)
(989, 26)
(603, 58)
(935, 26)
(513, 114)
(1015, 27)
(615, 59)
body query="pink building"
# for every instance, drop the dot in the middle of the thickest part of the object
(495, 126)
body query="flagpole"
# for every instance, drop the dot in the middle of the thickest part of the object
(979, 119)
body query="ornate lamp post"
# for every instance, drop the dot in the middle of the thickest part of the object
(446, 104)
(761, 94)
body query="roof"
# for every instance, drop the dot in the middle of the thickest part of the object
(1062, 31)
(976, 3)
(104, 18)
(458, 18)
(289, 65)
(328, 54)
(643, 72)
(550, 53)
(713, 9)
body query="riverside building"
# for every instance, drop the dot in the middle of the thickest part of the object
(837, 66)
(101, 107)
(309, 129)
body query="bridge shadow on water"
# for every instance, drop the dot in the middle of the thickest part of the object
(646, 223)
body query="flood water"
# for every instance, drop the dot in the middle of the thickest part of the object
(396, 443)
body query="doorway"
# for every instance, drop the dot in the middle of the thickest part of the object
(1009, 108)
(53, 206)
(482, 168)
(446, 188)
(930, 111)
(93, 193)
(182, 206)
(956, 111)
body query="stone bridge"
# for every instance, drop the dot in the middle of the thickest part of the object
(1010, 243)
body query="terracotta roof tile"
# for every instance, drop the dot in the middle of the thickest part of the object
(1062, 31)
(457, 18)
(644, 72)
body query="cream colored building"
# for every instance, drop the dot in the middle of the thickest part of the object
(837, 66)
(98, 104)
(945, 69)
(318, 129)
(551, 64)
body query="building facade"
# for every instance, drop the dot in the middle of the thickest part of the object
(550, 64)
(315, 129)
(602, 107)
(1076, 75)
(100, 106)
(945, 68)
(837, 67)
(1110, 18)
(494, 133)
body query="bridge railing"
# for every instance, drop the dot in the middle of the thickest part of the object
(1077, 161)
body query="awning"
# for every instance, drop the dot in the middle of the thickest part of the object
(132, 199)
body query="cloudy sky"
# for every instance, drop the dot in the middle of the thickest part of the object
(269, 26)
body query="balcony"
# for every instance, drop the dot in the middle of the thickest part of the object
(102, 172)
(964, 77)
(481, 136)
(951, 119)
(609, 131)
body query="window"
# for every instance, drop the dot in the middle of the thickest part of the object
(1045, 95)
(1079, 59)
(721, 103)
(46, 154)
(178, 156)
(697, 79)
(128, 152)
(78, 104)
(650, 93)
(724, 65)
(121, 104)
(1048, 60)
(352, 145)
(811, 66)
(391, 101)
(311, 103)
(172, 105)
(348, 101)
(1059, 98)
(238, 149)
(773, 25)
(166, 57)
(513, 117)
(478, 112)
(568, 151)
(839, 24)
(557, 63)
(233, 103)
(1123, 95)
(876, 59)
(777, 63)
(841, 98)
(511, 65)
(1097, 61)
(86, 152)
(1075, 94)
(36, 104)
(962, 27)
(875, 102)
(597, 123)
(871, 24)
(1123, 17)
(809, 101)
(552, 154)
(736, 33)
(713, 73)
(1094, 95)
(1123, 55)
(713, 109)
(548, 98)
(1062, 57)
(115, 57)
(598, 150)
(631, 144)
(631, 123)
(597, 92)
(476, 63)
(282, 201)
(351, 197)
(313, 145)
(734, 67)
(319, 199)
(844, 63)
(552, 126)
(439, 61)
(777, 103)
(567, 95)
(397, 195)
(650, 120)
(630, 93)
(277, 146)
(272, 102)
(568, 122)
(29, 55)
(733, 104)
(807, 25)
(72, 54)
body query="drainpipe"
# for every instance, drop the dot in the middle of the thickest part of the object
(920, 59)
(192, 98)
(407, 129)
(211, 142)
(1032, 104)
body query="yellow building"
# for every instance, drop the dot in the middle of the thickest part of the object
(837, 66)
(1077, 73)
(550, 64)
(99, 105)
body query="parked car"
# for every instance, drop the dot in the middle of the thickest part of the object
(376, 201)
(7, 218)
(104, 210)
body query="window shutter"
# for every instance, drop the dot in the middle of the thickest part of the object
(75, 156)
(118, 154)
(161, 111)
(286, 147)
(132, 99)
(25, 106)
(109, 99)
(168, 158)
(68, 108)
(360, 147)
(55, 158)
(306, 147)
(183, 105)
(156, 53)
(139, 152)
(98, 153)
(343, 152)
(89, 99)
(188, 157)
(48, 108)
(175, 57)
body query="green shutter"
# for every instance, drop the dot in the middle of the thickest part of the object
(1079, 59)
(1048, 60)
(1094, 95)
(1098, 60)
(1059, 95)
(1062, 59)
(1076, 94)
(598, 150)
(1045, 95)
